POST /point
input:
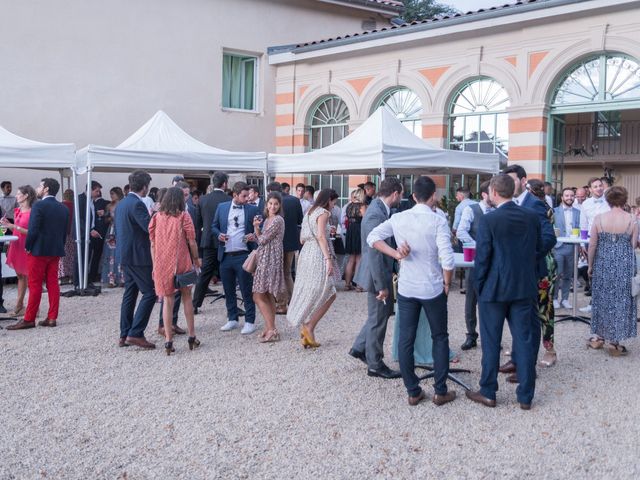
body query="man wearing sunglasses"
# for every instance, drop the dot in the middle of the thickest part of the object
(233, 227)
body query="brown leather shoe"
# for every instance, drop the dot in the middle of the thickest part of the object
(123, 342)
(525, 406)
(22, 325)
(508, 367)
(47, 323)
(413, 401)
(178, 331)
(479, 398)
(140, 342)
(450, 396)
(513, 378)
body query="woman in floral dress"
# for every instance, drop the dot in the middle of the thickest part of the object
(268, 280)
(112, 273)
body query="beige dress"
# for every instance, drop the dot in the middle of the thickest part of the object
(312, 287)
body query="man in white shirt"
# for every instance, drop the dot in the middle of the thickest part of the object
(306, 202)
(594, 205)
(7, 202)
(467, 230)
(462, 196)
(426, 270)
(581, 196)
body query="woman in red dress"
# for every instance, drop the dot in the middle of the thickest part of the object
(17, 255)
(173, 250)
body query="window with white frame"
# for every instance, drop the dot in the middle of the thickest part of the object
(239, 81)
(406, 106)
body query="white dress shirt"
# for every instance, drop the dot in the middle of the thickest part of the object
(568, 220)
(457, 216)
(520, 198)
(236, 234)
(590, 208)
(429, 237)
(466, 220)
(306, 205)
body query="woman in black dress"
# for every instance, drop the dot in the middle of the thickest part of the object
(353, 247)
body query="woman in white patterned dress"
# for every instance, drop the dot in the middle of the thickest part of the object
(317, 271)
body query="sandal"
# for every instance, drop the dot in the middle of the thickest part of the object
(595, 343)
(548, 359)
(617, 350)
(270, 337)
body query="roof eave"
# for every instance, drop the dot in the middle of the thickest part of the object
(388, 11)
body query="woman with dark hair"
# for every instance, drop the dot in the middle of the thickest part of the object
(17, 255)
(112, 273)
(546, 285)
(159, 196)
(353, 248)
(268, 280)
(65, 267)
(614, 237)
(173, 251)
(317, 272)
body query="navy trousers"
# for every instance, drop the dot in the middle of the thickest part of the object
(137, 279)
(525, 331)
(232, 274)
(435, 310)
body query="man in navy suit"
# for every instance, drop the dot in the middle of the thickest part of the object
(507, 246)
(566, 219)
(133, 253)
(233, 227)
(46, 234)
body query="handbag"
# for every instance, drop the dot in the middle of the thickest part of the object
(251, 263)
(186, 279)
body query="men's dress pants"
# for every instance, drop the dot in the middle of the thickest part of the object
(177, 299)
(435, 310)
(370, 340)
(288, 277)
(42, 270)
(96, 245)
(232, 274)
(470, 304)
(137, 279)
(209, 269)
(564, 259)
(525, 331)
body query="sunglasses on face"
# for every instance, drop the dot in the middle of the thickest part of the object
(235, 221)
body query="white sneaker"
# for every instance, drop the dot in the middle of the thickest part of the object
(230, 325)
(556, 304)
(248, 328)
(586, 309)
(566, 304)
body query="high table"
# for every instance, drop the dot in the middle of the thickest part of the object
(6, 239)
(574, 317)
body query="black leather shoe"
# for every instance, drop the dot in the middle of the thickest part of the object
(195, 311)
(2, 309)
(469, 344)
(359, 355)
(384, 372)
(525, 406)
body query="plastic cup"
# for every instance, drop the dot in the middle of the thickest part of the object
(575, 232)
(584, 234)
(468, 252)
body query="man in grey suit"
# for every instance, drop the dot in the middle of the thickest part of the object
(566, 218)
(375, 276)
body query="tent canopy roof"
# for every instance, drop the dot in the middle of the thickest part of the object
(382, 142)
(160, 145)
(19, 152)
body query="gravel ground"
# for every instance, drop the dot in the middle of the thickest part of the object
(74, 405)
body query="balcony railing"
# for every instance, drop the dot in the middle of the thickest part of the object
(603, 139)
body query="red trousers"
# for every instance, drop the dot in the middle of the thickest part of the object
(42, 269)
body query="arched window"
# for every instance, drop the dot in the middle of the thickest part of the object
(605, 78)
(328, 122)
(478, 120)
(406, 106)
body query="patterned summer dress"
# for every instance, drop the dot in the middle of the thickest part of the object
(269, 276)
(614, 310)
(313, 287)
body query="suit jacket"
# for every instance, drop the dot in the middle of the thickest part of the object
(508, 243)
(558, 216)
(221, 220)
(548, 235)
(376, 269)
(292, 213)
(132, 232)
(204, 216)
(47, 230)
(101, 226)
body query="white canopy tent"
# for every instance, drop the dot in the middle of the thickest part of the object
(382, 145)
(160, 145)
(19, 152)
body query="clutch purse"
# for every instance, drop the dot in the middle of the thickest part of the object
(251, 263)
(186, 279)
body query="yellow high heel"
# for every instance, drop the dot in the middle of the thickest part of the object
(307, 339)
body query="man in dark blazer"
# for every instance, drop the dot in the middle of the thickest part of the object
(507, 246)
(233, 227)
(292, 213)
(46, 234)
(133, 253)
(375, 275)
(97, 231)
(208, 242)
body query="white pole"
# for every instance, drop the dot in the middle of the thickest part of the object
(87, 226)
(382, 173)
(76, 216)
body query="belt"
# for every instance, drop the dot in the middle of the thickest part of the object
(233, 254)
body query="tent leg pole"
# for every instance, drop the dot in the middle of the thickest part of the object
(266, 180)
(87, 226)
(382, 173)
(76, 215)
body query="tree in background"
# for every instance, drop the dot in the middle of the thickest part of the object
(424, 9)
